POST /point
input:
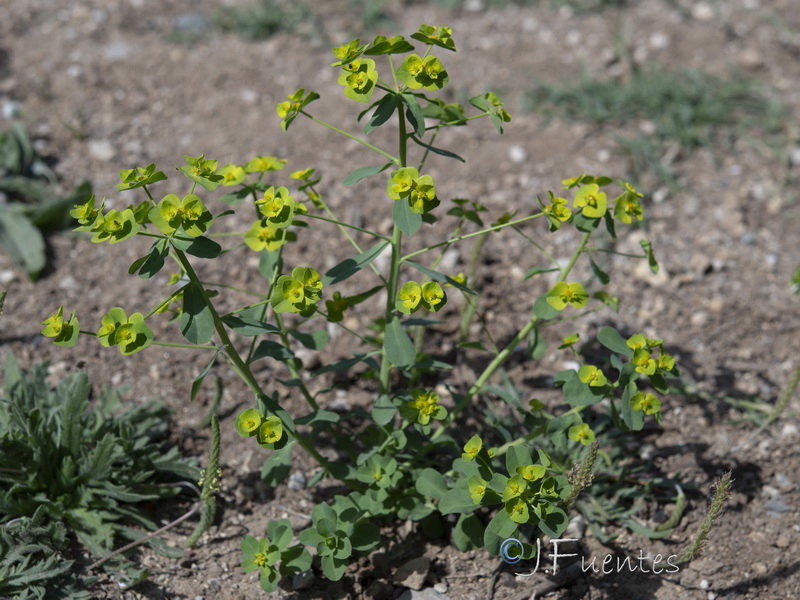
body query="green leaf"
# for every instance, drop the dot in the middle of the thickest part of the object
(272, 349)
(22, 241)
(237, 197)
(611, 339)
(350, 266)
(278, 465)
(345, 364)
(543, 309)
(295, 560)
(536, 270)
(414, 113)
(578, 393)
(439, 151)
(408, 222)
(362, 172)
(536, 344)
(431, 483)
(651, 534)
(365, 536)
(440, 277)
(316, 340)
(198, 381)
(383, 112)
(468, 533)
(601, 275)
(651, 258)
(456, 500)
(398, 346)
(318, 416)
(201, 246)
(333, 568)
(383, 410)
(196, 320)
(517, 456)
(499, 529)
(153, 262)
(248, 326)
(554, 523)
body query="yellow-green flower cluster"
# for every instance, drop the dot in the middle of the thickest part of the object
(564, 293)
(298, 292)
(418, 190)
(581, 433)
(358, 79)
(417, 72)
(188, 213)
(267, 430)
(131, 334)
(64, 332)
(412, 296)
(423, 407)
(643, 355)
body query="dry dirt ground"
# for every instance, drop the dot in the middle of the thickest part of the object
(109, 85)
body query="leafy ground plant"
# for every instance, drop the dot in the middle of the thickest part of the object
(420, 452)
(689, 109)
(84, 473)
(31, 208)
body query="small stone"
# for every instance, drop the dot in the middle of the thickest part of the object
(794, 156)
(193, 22)
(412, 574)
(702, 11)
(214, 584)
(517, 154)
(789, 430)
(776, 506)
(782, 541)
(303, 580)
(6, 276)
(297, 481)
(705, 584)
(11, 109)
(576, 528)
(101, 150)
(440, 588)
(659, 40)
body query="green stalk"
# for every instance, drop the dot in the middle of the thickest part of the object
(501, 356)
(394, 269)
(236, 361)
(357, 139)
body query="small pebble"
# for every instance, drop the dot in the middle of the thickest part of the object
(297, 481)
(517, 154)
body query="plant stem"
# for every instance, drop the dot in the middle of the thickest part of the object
(501, 356)
(466, 236)
(356, 138)
(394, 269)
(236, 361)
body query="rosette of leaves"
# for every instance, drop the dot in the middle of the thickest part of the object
(32, 210)
(84, 469)
(337, 532)
(272, 557)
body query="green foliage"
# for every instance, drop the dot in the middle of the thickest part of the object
(32, 209)
(412, 455)
(263, 19)
(64, 466)
(689, 108)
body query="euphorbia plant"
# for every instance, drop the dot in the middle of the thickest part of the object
(394, 459)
